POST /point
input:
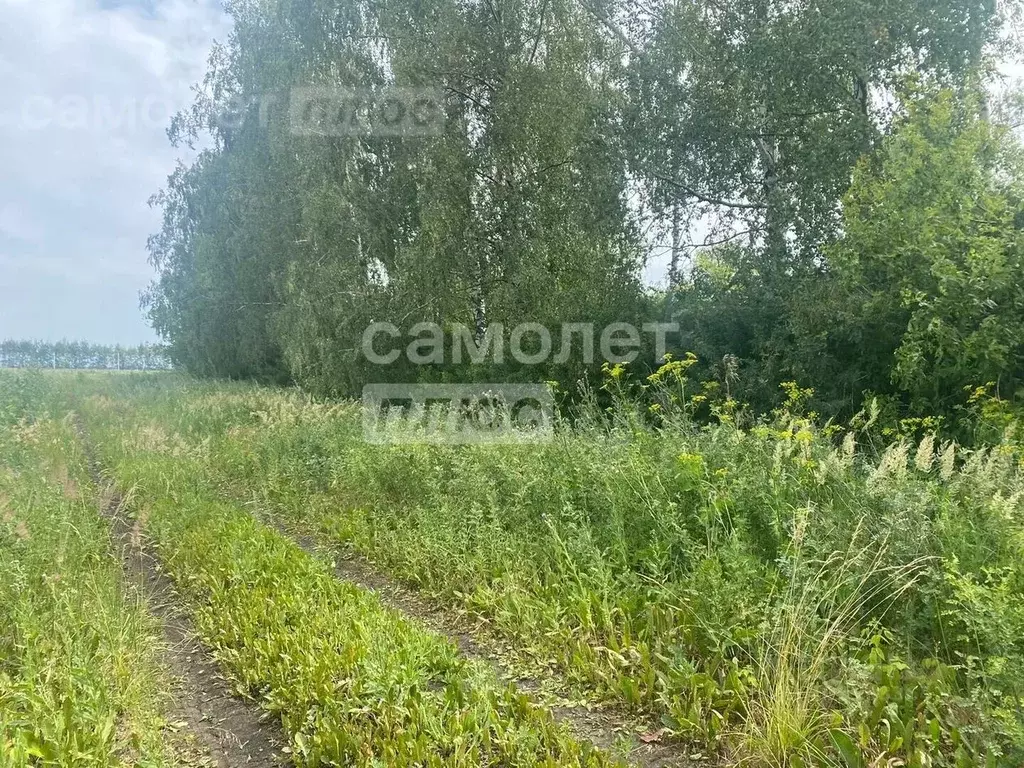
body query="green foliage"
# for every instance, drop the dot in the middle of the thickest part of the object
(353, 682)
(929, 262)
(767, 594)
(79, 682)
(572, 135)
(276, 252)
(917, 302)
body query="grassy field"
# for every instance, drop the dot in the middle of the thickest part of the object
(352, 681)
(781, 595)
(80, 682)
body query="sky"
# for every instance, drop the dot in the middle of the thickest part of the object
(87, 90)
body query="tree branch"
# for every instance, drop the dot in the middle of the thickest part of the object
(536, 37)
(707, 198)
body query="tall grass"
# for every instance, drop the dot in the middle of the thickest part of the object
(79, 677)
(352, 681)
(772, 593)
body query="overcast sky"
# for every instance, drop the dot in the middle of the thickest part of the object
(87, 88)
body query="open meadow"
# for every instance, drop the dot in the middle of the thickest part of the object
(622, 594)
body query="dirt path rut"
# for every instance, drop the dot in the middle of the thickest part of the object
(601, 727)
(227, 732)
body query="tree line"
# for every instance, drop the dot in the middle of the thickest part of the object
(835, 188)
(81, 355)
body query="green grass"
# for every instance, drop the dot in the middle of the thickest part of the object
(79, 680)
(353, 682)
(773, 595)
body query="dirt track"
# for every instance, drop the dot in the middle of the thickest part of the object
(226, 731)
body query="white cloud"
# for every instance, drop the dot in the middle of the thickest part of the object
(87, 88)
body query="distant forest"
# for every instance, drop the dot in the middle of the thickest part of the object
(81, 355)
